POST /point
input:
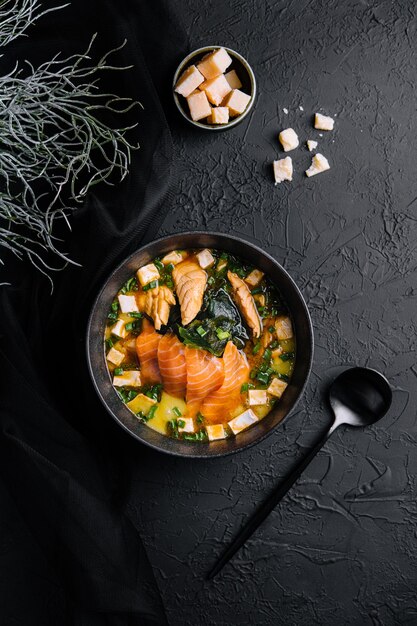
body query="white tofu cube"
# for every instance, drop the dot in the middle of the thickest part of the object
(215, 431)
(242, 421)
(188, 425)
(311, 144)
(323, 122)
(115, 356)
(254, 278)
(283, 327)
(205, 258)
(257, 397)
(236, 101)
(199, 105)
(189, 81)
(216, 89)
(214, 63)
(219, 115)
(221, 265)
(233, 79)
(127, 379)
(174, 257)
(119, 329)
(277, 387)
(319, 164)
(283, 170)
(147, 274)
(288, 139)
(127, 304)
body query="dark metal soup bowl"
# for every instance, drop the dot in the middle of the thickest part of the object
(292, 297)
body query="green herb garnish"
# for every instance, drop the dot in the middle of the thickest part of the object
(286, 356)
(181, 423)
(199, 418)
(151, 285)
(152, 411)
(118, 371)
(176, 411)
(256, 348)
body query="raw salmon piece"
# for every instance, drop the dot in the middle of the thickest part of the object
(190, 283)
(204, 375)
(217, 406)
(246, 303)
(147, 350)
(171, 359)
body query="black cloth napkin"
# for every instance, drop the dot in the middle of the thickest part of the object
(71, 555)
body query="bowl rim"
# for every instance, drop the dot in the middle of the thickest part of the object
(238, 118)
(95, 311)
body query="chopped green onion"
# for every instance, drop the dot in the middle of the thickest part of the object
(222, 334)
(152, 411)
(201, 331)
(109, 343)
(246, 386)
(181, 423)
(151, 285)
(169, 267)
(286, 356)
(256, 348)
(118, 371)
(263, 377)
(211, 280)
(176, 411)
(267, 355)
(271, 329)
(129, 326)
(158, 264)
(136, 314)
(274, 344)
(199, 418)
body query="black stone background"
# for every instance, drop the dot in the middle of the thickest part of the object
(341, 548)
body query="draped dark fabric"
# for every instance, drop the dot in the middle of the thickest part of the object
(69, 552)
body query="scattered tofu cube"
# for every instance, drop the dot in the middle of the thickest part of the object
(119, 329)
(216, 89)
(115, 356)
(319, 164)
(221, 265)
(283, 170)
(242, 421)
(141, 403)
(215, 431)
(311, 144)
(174, 257)
(127, 304)
(323, 122)
(257, 397)
(199, 105)
(283, 327)
(233, 79)
(219, 115)
(214, 63)
(205, 258)
(289, 139)
(277, 352)
(147, 274)
(236, 101)
(129, 379)
(188, 425)
(189, 81)
(277, 387)
(254, 278)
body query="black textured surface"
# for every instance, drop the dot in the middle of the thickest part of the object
(341, 548)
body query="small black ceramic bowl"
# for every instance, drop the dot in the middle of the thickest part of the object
(244, 72)
(97, 358)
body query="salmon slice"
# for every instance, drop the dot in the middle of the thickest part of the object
(217, 406)
(204, 375)
(190, 283)
(244, 300)
(147, 350)
(171, 359)
(157, 304)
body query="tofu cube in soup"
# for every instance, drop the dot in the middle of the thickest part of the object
(205, 259)
(257, 397)
(127, 379)
(189, 81)
(277, 387)
(199, 106)
(283, 327)
(242, 421)
(215, 431)
(254, 278)
(216, 89)
(119, 329)
(236, 101)
(127, 304)
(219, 115)
(141, 404)
(174, 257)
(233, 79)
(115, 356)
(187, 425)
(147, 274)
(214, 63)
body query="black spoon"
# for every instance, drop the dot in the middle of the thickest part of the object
(359, 397)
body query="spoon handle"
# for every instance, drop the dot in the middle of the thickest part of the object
(266, 507)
